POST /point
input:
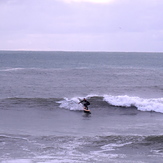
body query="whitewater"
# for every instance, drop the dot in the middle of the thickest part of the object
(152, 104)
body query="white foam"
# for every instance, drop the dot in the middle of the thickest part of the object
(111, 147)
(12, 69)
(73, 103)
(153, 104)
(140, 103)
(70, 104)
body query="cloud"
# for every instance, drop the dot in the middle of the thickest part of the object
(57, 25)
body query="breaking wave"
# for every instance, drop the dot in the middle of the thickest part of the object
(153, 104)
(97, 101)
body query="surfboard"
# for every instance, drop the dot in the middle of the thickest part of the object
(87, 111)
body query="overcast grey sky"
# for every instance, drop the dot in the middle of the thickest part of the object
(82, 25)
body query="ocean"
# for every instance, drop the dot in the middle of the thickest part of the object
(42, 122)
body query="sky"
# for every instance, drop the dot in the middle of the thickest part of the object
(82, 25)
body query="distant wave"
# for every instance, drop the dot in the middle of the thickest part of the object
(8, 69)
(11, 69)
(22, 69)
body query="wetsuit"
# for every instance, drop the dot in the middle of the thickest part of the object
(85, 103)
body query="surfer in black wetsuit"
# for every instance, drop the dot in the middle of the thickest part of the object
(85, 103)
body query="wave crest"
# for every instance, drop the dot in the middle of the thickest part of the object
(140, 103)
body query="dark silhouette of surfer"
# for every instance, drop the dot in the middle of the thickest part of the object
(85, 103)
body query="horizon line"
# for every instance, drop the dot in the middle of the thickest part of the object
(87, 51)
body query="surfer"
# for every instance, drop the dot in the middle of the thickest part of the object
(85, 103)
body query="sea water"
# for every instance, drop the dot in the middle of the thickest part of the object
(41, 120)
